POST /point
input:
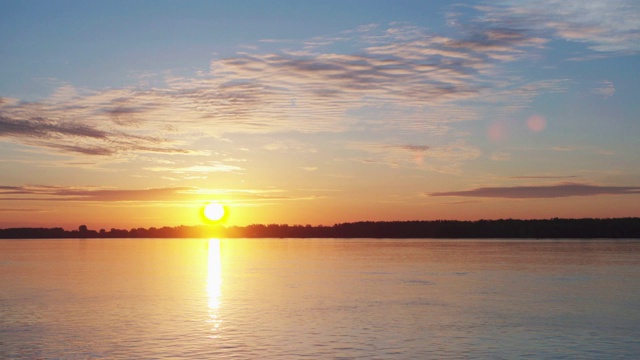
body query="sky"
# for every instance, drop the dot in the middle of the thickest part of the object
(126, 114)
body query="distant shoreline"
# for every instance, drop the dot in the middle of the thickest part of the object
(555, 228)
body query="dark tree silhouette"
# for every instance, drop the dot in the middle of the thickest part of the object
(481, 229)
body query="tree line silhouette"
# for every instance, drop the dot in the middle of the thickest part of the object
(448, 229)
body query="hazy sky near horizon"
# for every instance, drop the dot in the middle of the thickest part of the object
(136, 113)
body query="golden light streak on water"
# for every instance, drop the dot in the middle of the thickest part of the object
(214, 281)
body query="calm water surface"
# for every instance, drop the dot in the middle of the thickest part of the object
(320, 299)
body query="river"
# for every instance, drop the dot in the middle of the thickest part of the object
(319, 299)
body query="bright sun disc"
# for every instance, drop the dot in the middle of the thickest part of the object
(214, 211)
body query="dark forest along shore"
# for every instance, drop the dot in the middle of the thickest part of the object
(510, 228)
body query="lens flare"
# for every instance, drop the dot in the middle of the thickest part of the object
(536, 123)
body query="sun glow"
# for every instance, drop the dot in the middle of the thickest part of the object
(214, 212)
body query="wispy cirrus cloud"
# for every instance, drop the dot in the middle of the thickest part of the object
(20, 210)
(67, 193)
(398, 77)
(546, 191)
(188, 194)
(500, 156)
(543, 177)
(289, 145)
(564, 148)
(607, 26)
(45, 126)
(204, 169)
(445, 159)
(605, 88)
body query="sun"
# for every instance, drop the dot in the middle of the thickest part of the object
(214, 212)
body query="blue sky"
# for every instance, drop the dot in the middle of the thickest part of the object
(135, 113)
(102, 44)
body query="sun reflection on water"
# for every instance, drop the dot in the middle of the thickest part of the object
(214, 281)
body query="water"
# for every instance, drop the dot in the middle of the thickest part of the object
(319, 299)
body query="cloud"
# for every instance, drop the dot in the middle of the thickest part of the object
(543, 177)
(412, 148)
(605, 152)
(211, 168)
(500, 43)
(38, 127)
(42, 192)
(461, 202)
(20, 210)
(608, 26)
(550, 191)
(46, 126)
(397, 77)
(445, 159)
(605, 89)
(564, 148)
(501, 156)
(289, 145)
(166, 194)
(125, 116)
